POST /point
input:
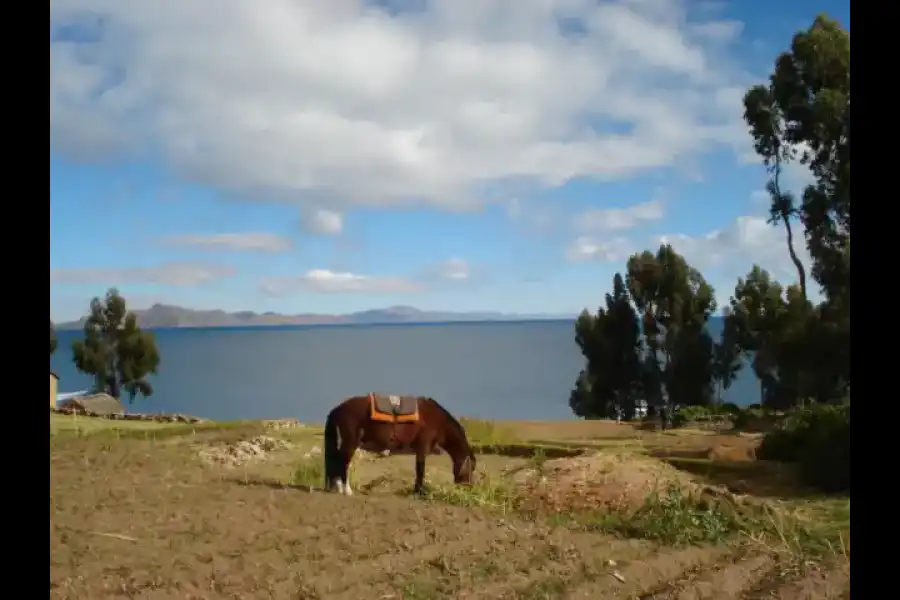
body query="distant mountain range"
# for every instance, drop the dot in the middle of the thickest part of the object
(163, 315)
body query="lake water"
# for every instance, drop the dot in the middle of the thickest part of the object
(514, 370)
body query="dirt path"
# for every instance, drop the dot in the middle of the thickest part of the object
(149, 520)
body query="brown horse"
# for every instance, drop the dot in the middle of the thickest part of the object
(397, 423)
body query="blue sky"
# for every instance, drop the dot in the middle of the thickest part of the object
(451, 155)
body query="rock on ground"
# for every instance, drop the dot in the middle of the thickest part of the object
(242, 452)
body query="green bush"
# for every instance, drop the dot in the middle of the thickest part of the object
(751, 414)
(676, 517)
(730, 409)
(696, 414)
(817, 439)
(309, 472)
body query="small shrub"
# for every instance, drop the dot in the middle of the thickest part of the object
(818, 440)
(538, 459)
(675, 516)
(693, 414)
(729, 409)
(678, 517)
(485, 493)
(309, 472)
(781, 445)
(801, 428)
(649, 424)
(748, 416)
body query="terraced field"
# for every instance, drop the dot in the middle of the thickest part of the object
(136, 516)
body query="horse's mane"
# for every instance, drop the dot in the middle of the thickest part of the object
(453, 420)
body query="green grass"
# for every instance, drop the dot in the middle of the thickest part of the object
(62, 426)
(487, 433)
(669, 516)
(804, 529)
(808, 530)
(522, 450)
(590, 444)
(60, 423)
(758, 478)
(673, 517)
(309, 472)
(818, 527)
(487, 492)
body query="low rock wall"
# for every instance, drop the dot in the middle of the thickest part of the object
(157, 417)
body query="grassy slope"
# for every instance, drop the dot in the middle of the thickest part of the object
(142, 517)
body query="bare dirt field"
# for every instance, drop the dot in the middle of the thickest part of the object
(228, 512)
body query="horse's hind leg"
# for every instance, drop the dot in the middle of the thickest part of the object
(349, 444)
(344, 481)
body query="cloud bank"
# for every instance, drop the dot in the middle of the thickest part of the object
(347, 103)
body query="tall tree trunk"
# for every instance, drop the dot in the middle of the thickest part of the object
(801, 270)
(786, 211)
(113, 387)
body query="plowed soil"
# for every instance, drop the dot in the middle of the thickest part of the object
(136, 518)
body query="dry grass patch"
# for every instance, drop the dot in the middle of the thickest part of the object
(602, 480)
(145, 517)
(570, 430)
(81, 425)
(487, 433)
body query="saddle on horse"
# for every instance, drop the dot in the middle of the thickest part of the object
(394, 409)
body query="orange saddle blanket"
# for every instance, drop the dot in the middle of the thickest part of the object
(394, 409)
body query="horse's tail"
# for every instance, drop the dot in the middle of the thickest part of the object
(331, 451)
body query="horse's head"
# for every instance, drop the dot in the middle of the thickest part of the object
(464, 469)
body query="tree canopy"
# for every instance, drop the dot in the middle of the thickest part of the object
(651, 340)
(803, 114)
(612, 339)
(115, 351)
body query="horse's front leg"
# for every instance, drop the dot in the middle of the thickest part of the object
(424, 446)
(419, 487)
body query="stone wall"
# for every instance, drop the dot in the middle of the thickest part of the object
(158, 417)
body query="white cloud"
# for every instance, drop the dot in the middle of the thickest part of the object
(720, 31)
(326, 281)
(454, 269)
(760, 198)
(514, 209)
(722, 255)
(618, 219)
(324, 222)
(344, 103)
(533, 216)
(794, 176)
(451, 274)
(243, 242)
(584, 249)
(747, 241)
(172, 273)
